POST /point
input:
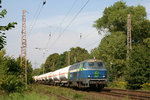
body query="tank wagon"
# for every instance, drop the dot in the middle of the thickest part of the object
(88, 73)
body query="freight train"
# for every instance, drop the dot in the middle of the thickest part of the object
(86, 74)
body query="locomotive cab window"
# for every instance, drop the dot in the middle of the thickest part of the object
(95, 65)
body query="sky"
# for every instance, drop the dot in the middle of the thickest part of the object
(54, 26)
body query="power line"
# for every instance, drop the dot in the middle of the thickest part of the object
(91, 44)
(75, 17)
(83, 37)
(64, 19)
(36, 16)
(68, 12)
(70, 22)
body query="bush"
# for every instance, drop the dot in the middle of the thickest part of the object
(138, 71)
(13, 80)
(13, 84)
(13, 75)
(119, 83)
(146, 86)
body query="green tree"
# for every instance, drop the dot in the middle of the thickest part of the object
(2, 59)
(62, 60)
(4, 28)
(29, 69)
(139, 71)
(112, 48)
(115, 19)
(50, 64)
(37, 71)
(78, 54)
(13, 79)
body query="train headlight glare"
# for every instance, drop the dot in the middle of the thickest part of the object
(103, 76)
(88, 75)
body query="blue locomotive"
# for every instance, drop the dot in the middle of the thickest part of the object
(88, 73)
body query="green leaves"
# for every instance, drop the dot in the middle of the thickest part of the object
(139, 71)
(4, 28)
(115, 19)
(2, 40)
(8, 27)
(12, 75)
(13, 83)
(3, 13)
(112, 48)
(50, 64)
(147, 42)
(78, 54)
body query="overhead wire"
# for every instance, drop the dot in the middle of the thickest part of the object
(64, 18)
(70, 22)
(83, 38)
(92, 44)
(37, 13)
(68, 13)
(35, 17)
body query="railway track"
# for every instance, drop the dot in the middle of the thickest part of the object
(122, 93)
(111, 93)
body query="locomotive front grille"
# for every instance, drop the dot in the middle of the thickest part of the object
(97, 81)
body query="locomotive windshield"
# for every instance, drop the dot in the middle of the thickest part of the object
(95, 65)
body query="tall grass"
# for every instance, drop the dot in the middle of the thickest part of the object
(29, 96)
(44, 92)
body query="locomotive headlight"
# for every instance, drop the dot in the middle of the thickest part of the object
(88, 75)
(103, 76)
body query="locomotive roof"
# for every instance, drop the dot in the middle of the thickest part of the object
(89, 60)
(92, 60)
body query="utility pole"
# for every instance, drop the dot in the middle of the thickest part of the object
(75, 59)
(129, 38)
(24, 44)
(68, 58)
(53, 66)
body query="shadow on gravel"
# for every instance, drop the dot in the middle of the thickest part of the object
(91, 89)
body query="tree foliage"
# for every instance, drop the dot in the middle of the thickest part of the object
(4, 28)
(139, 71)
(112, 48)
(51, 62)
(12, 77)
(2, 53)
(78, 54)
(115, 19)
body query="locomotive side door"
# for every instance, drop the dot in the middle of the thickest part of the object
(80, 72)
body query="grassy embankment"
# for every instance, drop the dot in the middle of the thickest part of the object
(45, 92)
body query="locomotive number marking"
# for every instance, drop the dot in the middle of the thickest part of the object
(96, 73)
